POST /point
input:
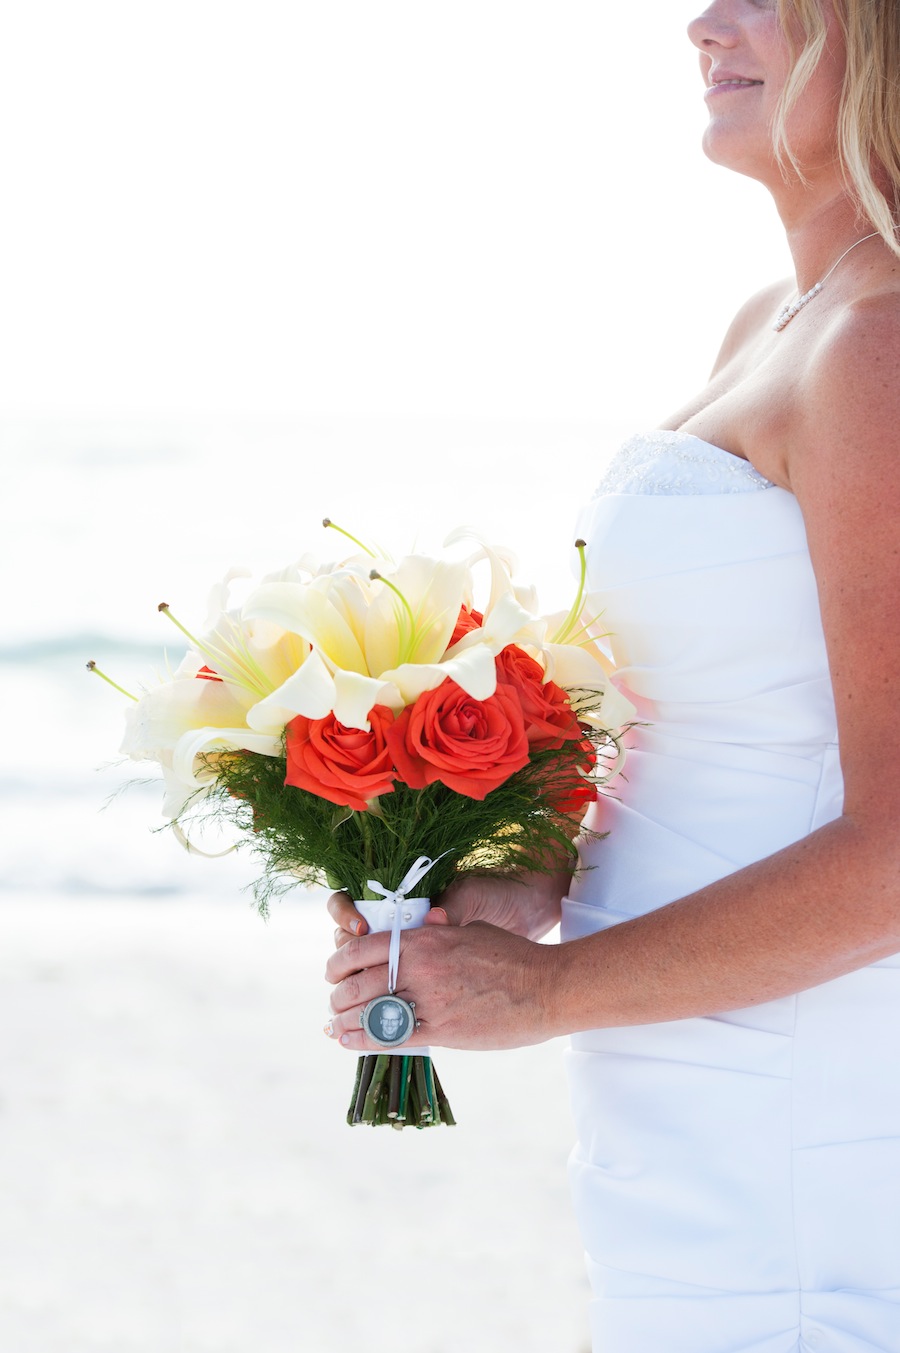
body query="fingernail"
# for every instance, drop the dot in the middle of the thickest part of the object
(345, 1039)
(357, 927)
(329, 1028)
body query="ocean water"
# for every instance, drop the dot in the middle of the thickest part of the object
(175, 1166)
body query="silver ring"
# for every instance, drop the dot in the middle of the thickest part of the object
(389, 1020)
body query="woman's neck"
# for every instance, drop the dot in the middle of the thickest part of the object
(819, 232)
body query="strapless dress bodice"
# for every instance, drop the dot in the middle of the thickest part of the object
(700, 570)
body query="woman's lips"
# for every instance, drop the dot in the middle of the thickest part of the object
(730, 84)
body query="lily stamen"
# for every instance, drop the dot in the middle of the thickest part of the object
(165, 610)
(327, 522)
(92, 667)
(235, 664)
(578, 604)
(408, 645)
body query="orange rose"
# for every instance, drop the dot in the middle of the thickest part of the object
(343, 765)
(465, 622)
(469, 745)
(549, 718)
(565, 788)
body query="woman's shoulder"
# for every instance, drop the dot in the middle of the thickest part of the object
(845, 413)
(849, 379)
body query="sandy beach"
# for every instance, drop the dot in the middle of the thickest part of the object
(177, 1174)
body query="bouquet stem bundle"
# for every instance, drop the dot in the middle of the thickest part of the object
(398, 1092)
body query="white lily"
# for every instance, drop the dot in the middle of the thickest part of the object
(203, 708)
(573, 658)
(179, 722)
(379, 641)
(510, 615)
(582, 666)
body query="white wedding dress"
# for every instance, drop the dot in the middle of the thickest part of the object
(737, 1178)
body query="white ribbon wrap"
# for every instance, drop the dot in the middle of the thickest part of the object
(394, 911)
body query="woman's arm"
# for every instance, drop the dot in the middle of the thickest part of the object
(822, 907)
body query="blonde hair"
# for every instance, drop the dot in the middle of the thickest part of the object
(869, 112)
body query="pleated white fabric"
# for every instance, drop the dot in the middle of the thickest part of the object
(736, 1178)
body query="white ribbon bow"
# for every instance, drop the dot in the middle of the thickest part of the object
(395, 911)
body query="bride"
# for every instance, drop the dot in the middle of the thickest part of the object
(729, 968)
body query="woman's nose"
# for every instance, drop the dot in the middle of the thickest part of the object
(715, 27)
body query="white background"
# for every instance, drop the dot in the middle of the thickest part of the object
(484, 208)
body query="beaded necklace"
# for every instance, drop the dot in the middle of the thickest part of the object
(787, 314)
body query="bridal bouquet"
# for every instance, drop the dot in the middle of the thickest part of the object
(361, 723)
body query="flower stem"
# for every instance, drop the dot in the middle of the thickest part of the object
(443, 1102)
(405, 1078)
(356, 1084)
(375, 1090)
(421, 1082)
(364, 1071)
(394, 1088)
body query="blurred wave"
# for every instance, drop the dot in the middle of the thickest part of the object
(79, 645)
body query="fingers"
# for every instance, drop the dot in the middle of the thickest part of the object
(345, 1029)
(456, 903)
(348, 918)
(349, 999)
(354, 1040)
(358, 971)
(358, 988)
(366, 952)
(350, 923)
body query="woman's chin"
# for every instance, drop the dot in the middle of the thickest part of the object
(727, 147)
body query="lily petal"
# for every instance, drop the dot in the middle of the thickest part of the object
(178, 796)
(502, 561)
(579, 668)
(354, 696)
(309, 691)
(217, 604)
(309, 612)
(506, 623)
(433, 591)
(201, 741)
(614, 711)
(474, 670)
(156, 722)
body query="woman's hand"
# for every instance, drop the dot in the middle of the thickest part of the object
(474, 985)
(473, 969)
(528, 906)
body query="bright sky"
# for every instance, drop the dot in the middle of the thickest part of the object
(482, 209)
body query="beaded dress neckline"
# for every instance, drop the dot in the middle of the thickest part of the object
(671, 462)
